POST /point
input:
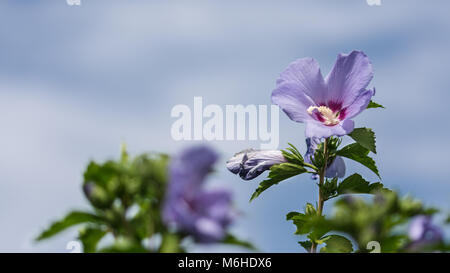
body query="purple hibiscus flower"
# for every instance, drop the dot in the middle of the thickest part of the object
(251, 163)
(335, 169)
(327, 105)
(205, 214)
(423, 233)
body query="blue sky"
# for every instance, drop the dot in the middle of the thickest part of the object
(77, 81)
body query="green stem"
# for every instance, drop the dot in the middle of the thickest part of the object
(321, 200)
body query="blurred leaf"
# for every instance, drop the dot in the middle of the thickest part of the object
(232, 240)
(365, 137)
(72, 219)
(90, 237)
(124, 245)
(394, 243)
(409, 206)
(359, 154)
(381, 220)
(356, 184)
(373, 104)
(277, 174)
(101, 175)
(149, 173)
(123, 153)
(145, 221)
(336, 244)
(170, 243)
(97, 195)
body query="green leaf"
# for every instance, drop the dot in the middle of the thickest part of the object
(356, 184)
(307, 223)
(232, 240)
(90, 237)
(300, 220)
(291, 215)
(359, 154)
(329, 188)
(336, 244)
(365, 137)
(72, 219)
(277, 174)
(317, 232)
(373, 104)
(293, 155)
(306, 245)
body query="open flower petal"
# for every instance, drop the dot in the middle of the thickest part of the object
(326, 106)
(318, 130)
(293, 100)
(359, 104)
(306, 74)
(350, 75)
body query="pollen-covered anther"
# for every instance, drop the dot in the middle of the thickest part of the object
(329, 117)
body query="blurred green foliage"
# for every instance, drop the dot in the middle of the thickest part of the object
(126, 197)
(383, 219)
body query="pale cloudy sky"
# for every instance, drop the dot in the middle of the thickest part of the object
(77, 81)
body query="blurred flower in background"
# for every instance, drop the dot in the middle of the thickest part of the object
(205, 214)
(424, 233)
